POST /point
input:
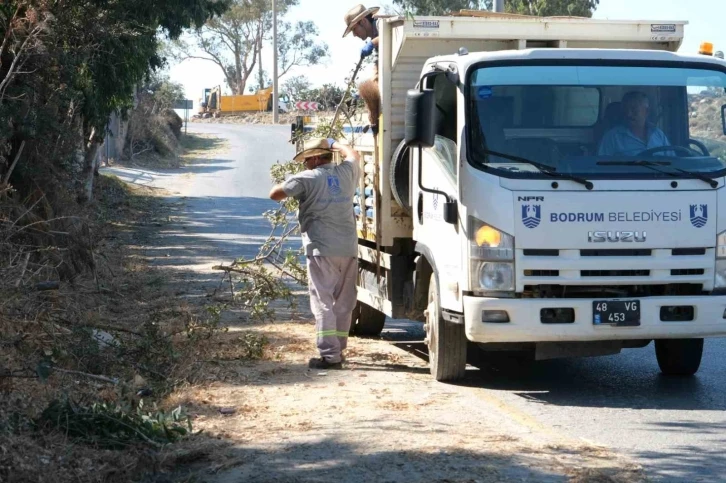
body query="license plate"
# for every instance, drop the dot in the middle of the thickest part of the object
(621, 313)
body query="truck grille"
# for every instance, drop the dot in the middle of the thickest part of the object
(615, 253)
(541, 273)
(615, 273)
(615, 267)
(685, 272)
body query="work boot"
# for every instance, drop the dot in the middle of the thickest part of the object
(323, 363)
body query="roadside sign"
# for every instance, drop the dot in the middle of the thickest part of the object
(307, 106)
(185, 104)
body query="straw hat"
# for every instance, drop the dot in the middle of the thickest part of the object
(355, 15)
(313, 147)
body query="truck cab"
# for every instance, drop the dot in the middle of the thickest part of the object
(548, 186)
(574, 234)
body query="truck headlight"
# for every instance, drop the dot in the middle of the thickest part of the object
(496, 277)
(491, 257)
(720, 281)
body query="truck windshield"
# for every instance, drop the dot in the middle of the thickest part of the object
(598, 121)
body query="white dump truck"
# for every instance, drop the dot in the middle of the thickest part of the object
(545, 186)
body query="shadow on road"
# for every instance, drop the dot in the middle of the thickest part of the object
(327, 458)
(629, 380)
(689, 463)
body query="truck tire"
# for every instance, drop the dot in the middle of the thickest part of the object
(446, 341)
(400, 177)
(679, 357)
(366, 321)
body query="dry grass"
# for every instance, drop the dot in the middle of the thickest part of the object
(106, 333)
(372, 97)
(189, 147)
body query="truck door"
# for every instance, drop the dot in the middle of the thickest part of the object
(439, 172)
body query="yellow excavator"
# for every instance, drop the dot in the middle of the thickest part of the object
(214, 104)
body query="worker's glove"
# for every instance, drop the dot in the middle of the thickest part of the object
(331, 141)
(367, 48)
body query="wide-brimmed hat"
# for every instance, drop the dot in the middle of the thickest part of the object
(314, 147)
(355, 15)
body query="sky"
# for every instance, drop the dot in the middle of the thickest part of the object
(705, 17)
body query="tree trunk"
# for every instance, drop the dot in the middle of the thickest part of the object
(262, 72)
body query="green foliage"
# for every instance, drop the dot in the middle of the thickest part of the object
(252, 345)
(163, 91)
(86, 58)
(115, 426)
(549, 8)
(540, 8)
(296, 87)
(328, 96)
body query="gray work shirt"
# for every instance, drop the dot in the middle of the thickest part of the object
(327, 221)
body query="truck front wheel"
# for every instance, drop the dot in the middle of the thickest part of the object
(679, 357)
(366, 321)
(446, 341)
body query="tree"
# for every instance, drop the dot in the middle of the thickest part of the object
(438, 7)
(541, 8)
(297, 46)
(86, 58)
(296, 87)
(549, 8)
(234, 41)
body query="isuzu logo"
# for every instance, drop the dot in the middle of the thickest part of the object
(616, 236)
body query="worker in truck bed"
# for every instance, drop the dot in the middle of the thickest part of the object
(327, 224)
(360, 21)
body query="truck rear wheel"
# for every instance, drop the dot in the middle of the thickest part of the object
(679, 357)
(366, 321)
(446, 341)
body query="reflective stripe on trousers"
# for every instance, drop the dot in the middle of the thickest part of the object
(332, 299)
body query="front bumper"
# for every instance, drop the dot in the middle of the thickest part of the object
(525, 324)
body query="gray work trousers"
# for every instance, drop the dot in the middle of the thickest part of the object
(332, 283)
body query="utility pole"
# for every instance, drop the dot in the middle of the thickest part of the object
(275, 94)
(498, 6)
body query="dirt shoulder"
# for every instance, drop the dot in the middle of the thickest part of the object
(380, 419)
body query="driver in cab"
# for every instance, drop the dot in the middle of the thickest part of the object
(636, 134)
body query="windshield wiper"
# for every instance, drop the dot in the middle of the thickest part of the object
(654, 166)
(545, 168)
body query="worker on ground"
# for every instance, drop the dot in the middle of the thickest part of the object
(330, 241)
(360, 21)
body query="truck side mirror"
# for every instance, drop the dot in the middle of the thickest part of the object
(420, 118)
(451, 212)
(723, 118)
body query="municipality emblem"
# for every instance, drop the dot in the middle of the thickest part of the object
(699, 215)
(333, 185)
(531, 215)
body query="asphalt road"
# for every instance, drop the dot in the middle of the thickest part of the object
(676, 428)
